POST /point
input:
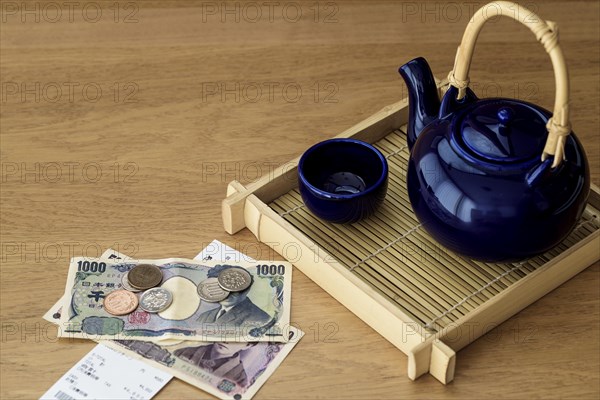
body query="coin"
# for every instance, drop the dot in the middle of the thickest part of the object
(145, 276)
(210, 291)
(126, 284)
(120, 302)
(156, 300)
(235, 279)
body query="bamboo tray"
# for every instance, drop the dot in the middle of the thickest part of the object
(425, 300)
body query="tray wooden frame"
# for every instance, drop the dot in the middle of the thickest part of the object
(433, 352)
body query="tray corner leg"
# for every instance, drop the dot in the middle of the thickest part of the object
(443, 362)
(419, 360)
(232, 208)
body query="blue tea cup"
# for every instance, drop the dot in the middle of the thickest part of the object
(342, 180)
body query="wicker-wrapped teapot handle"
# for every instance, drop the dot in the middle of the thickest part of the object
(546, 32)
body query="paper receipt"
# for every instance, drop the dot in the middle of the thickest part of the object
(107, 374)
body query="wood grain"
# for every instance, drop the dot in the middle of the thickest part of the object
(176, 146)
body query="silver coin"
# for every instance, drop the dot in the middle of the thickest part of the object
(235, 279)
(209, 290)
(156, 300)
(126, 285)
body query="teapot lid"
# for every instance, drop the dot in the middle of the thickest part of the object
(502, 130)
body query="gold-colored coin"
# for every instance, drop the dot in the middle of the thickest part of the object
(145, 276)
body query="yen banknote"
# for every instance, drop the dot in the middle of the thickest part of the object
(262, 315)
(238, 376)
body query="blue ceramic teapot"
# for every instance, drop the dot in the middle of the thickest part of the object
(493, 179)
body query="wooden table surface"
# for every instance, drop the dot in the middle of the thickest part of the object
(122, 123)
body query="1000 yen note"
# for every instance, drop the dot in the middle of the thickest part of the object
(259, 313)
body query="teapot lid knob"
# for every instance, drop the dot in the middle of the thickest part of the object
(505, 115)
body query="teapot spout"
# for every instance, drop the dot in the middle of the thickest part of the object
(423, 99)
